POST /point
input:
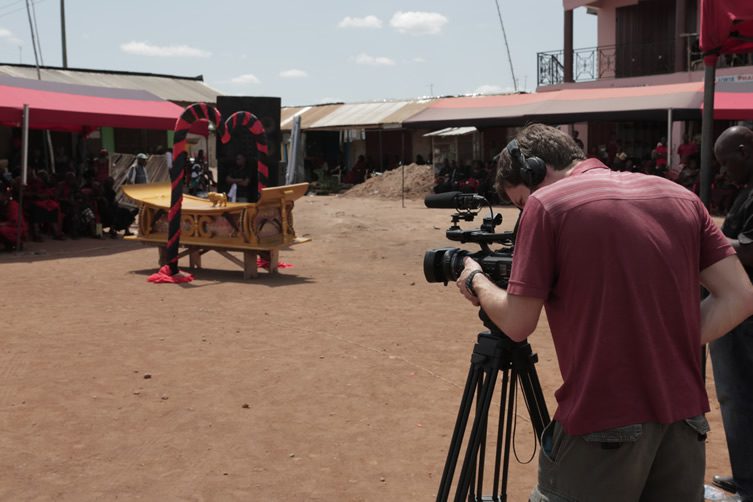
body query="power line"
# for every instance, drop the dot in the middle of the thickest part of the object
(11, 4)
(8, 13)
(33, 40)
(39, 40)
(507, 46)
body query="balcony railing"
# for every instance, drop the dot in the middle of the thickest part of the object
(629, 60)
(609, 61)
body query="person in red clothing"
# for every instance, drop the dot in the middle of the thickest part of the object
(357, 173)
(659, 155)
(9, 209)
(687, 149)
(41, 206)
(602, 251)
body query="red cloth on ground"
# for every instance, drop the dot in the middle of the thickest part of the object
(260, 262)
(164, 276)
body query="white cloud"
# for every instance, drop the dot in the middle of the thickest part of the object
(293, 73)
(419, 60)
(8, 36)
(246, 78)
(491, 89)
(360, 22)
(365, 59)
(179, 51)
(418, 23)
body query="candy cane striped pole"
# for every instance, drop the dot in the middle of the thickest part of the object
(193, 113)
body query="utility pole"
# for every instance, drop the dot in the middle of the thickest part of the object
(62, 33)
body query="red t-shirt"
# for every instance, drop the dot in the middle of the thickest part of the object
(616, 256)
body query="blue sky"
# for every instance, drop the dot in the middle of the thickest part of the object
(306, 52)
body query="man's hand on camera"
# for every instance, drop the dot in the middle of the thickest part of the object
(470, 266)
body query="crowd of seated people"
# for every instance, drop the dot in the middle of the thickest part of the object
(475, 177)
(686, 172)
(479, 177)
(63, 205)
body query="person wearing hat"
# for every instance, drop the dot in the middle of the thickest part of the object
(137, 174)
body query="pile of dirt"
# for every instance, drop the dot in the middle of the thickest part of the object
(419, 181)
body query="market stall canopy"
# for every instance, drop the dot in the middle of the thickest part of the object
(388, 114)
(65, 107)
(576, 105)
(384, 115)
(726, 27)
(308, 114)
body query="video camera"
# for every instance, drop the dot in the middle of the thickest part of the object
(446, 264)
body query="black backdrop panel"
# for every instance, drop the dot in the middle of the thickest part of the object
(268, 111)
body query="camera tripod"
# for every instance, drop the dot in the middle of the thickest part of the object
(493, 352)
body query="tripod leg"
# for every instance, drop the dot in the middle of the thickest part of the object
(479, 424)
(474, 373)
(532, 393)
(508, 429)
(500, 433)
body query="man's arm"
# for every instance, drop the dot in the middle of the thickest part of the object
(517, 316)
(744, 251)
(730, 299)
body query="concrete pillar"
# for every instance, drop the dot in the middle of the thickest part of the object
(568, 46)
(681, 43)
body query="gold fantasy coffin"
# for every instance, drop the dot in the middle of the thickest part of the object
(264, 225)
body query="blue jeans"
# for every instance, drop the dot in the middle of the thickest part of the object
(732, 359)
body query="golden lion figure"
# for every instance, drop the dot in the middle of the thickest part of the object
(217, 198)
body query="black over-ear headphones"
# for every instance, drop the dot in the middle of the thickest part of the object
(532, 169)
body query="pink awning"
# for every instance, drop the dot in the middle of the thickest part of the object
(65, 107)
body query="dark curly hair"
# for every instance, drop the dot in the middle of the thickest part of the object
(548, 143)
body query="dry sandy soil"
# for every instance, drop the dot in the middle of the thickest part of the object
(337, 379)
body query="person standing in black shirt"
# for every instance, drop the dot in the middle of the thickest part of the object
(732, 354)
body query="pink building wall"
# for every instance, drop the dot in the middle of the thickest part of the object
(607, 12)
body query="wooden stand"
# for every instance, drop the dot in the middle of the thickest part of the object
(248, 264)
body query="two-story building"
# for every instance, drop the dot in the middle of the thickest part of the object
(639, 43)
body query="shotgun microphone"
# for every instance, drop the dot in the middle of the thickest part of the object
(454, 200)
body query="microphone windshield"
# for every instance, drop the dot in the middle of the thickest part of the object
(447, 200)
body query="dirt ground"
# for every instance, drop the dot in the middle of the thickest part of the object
(338, 379)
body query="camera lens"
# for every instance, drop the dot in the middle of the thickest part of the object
(452, 265)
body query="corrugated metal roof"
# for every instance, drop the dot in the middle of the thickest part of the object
(309, 115)
(171, 88)
(407, 111)
(370, 114)
(288, 113)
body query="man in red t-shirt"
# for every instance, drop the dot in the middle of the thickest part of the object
(602, 251)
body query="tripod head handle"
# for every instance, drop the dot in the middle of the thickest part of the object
(495, 331)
